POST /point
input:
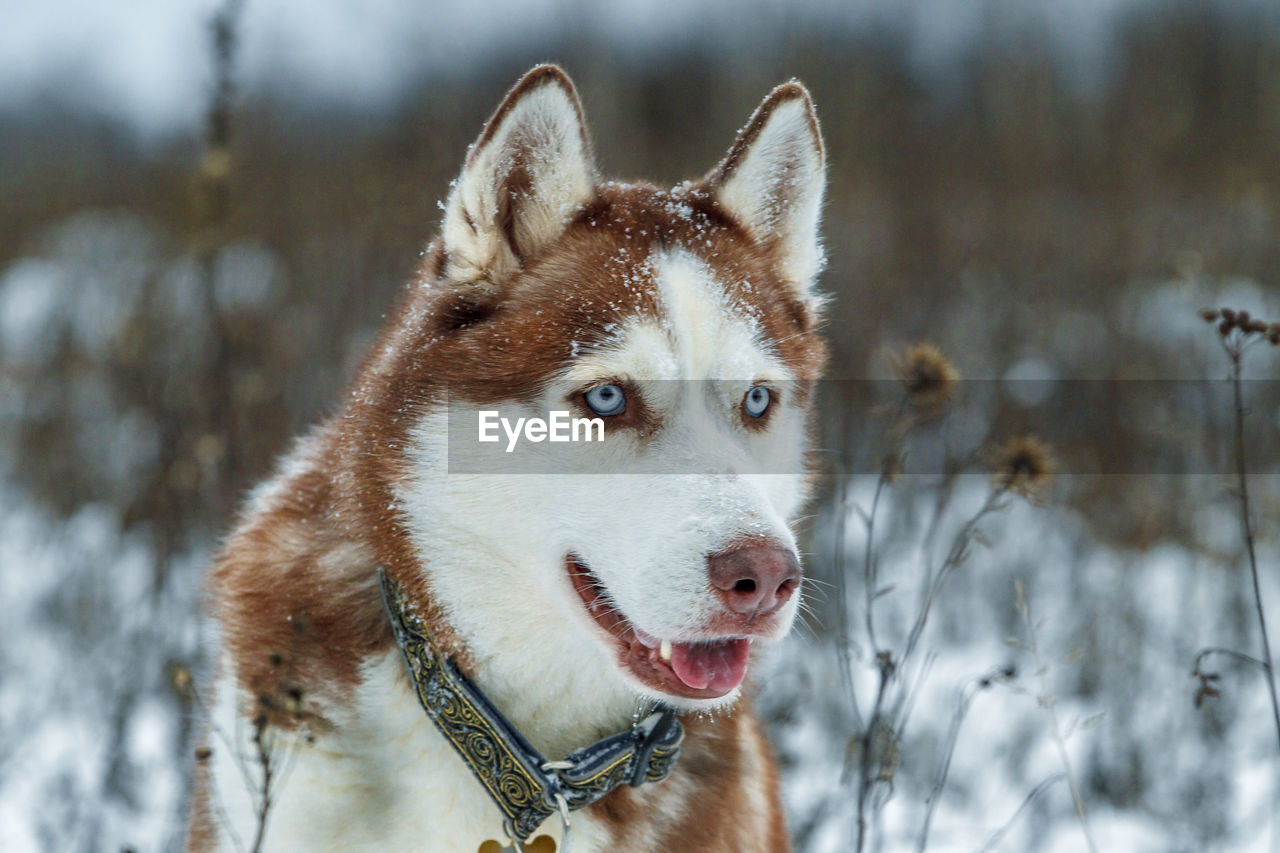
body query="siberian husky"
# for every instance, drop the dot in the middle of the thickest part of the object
(607, 587)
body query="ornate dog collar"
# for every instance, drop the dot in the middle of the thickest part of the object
(525, 786)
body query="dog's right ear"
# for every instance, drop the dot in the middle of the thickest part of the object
(524, 178)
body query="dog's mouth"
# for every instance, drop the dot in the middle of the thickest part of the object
(707, 669)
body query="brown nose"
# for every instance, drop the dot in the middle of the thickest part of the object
(754, 580)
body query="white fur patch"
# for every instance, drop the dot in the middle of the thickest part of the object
(384, 779)
(775, 189)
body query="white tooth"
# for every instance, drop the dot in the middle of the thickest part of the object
(664, 651)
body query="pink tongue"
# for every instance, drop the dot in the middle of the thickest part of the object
(720, 666)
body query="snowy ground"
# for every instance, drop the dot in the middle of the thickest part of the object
(94, 735)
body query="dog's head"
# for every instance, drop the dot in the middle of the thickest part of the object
(685, 320)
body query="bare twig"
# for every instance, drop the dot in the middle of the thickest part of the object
(843, 653)
(184, 684)
(907, 697)
(888, 468)
(869, 563)
(955, 556)
(967, 694)
(1049, 703)
(213, 215)
(232, 751)
(263, 750)
(1237, 331)
(999, 834)
(1247, 525)
(1232, 653)
(884, 660)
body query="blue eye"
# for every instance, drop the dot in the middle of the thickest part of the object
(756, 403)
(606, 400)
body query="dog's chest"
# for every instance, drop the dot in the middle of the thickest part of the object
(386, 780)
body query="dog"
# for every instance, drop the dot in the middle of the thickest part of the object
(413, 637)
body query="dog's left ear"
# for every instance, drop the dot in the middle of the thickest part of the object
(772, 180)
(524, 178)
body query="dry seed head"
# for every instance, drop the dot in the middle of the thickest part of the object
(1243, 318)
(181, 678)
(1209, 315)
(1206, 691)
(1225, 327)
(1024, 465)
(927, 377)
(1229, 314)
(216, 164)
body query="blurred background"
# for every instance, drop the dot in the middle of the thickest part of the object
(207, 207)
